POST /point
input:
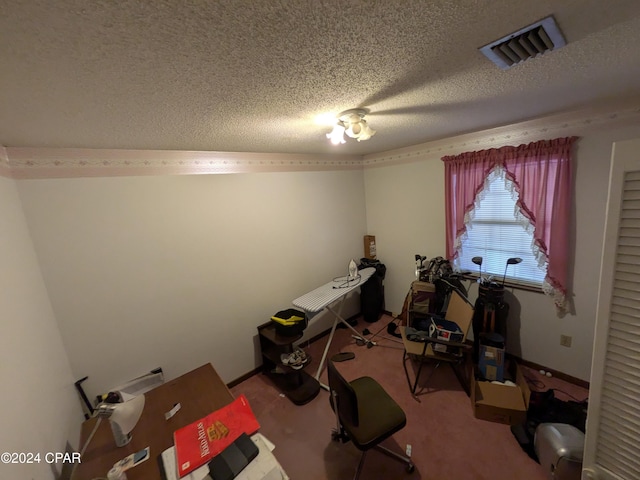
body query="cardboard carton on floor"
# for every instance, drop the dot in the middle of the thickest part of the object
(501, 403)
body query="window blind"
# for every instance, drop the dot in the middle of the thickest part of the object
(619, 420)
(495, 234)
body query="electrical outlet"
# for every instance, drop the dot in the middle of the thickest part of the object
(565, 340)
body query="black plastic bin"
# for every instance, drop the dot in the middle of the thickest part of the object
(290, 330)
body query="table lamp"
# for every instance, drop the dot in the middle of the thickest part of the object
(123, 417)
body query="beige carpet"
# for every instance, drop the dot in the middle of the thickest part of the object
(447, 441)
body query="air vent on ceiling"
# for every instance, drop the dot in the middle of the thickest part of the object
(524, 44)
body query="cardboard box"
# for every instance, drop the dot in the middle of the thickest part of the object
(370, 247)
(491, 363)
(501, 403)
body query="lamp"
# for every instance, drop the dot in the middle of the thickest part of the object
(352, 123)
(123, 417)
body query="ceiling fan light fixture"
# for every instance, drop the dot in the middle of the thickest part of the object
(353, 124)
(366, 132)
(353, 130)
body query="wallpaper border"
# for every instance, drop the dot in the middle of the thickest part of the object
(34, 163)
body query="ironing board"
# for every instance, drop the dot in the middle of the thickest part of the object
(323, 298)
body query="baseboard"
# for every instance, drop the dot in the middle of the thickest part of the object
(244, 377)
(562, 376)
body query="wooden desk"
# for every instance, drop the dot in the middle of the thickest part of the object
(200, 392)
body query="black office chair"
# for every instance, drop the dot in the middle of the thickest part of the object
(365, 414)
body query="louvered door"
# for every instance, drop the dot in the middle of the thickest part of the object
(612, 449)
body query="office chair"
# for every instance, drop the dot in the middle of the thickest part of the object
(365, 414)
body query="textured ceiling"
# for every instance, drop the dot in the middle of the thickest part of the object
(252, 76)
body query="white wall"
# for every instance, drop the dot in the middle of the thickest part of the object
(40, 408)
(405, 210)
(178, 271)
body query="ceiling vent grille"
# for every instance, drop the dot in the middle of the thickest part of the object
(524, 44)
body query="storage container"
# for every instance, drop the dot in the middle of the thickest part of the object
(559, 447)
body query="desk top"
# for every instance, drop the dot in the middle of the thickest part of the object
(199, 392)
(328, 293)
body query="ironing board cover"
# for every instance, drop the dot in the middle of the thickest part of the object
(328, 293)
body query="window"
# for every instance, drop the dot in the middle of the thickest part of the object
(540, 174)
(496, 233)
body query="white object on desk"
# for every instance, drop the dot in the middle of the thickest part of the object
(264, 467)
(323, 297)
(173, 411)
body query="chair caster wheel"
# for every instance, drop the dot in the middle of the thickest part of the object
(410, 468)
(339, 436)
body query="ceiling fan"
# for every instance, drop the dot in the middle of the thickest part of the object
(352, 123)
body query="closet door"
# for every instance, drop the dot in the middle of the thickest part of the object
(613, 421)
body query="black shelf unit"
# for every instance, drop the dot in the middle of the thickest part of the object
(297, 385)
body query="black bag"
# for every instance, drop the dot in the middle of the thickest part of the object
(372, 291)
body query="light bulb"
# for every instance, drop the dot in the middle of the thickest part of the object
(337, 134)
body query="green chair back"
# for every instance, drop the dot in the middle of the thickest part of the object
(347, 402)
